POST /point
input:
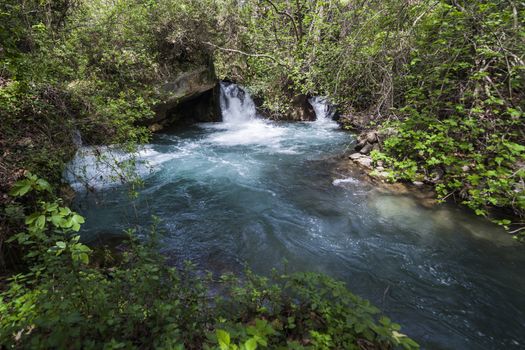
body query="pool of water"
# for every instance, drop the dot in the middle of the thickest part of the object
(256, 193)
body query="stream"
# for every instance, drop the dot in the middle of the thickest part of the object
(250, 192)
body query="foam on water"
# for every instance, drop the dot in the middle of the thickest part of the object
(349, 180)
(99, 167)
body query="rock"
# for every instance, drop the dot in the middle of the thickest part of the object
(371, 137)
(366, 149)
(354, 121)
(155, 127)
(381, 174)
(418, 183)
(365, 161)
(376, 147)
(361, 159)
(380, 168)
(301, 109)
(465, 168)
(192, 96)
(437, 174)
(387, 132)
(203, 108)
(356, 156)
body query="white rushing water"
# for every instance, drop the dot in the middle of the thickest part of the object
(241, 126)
(237, 105)
(323, 111)
(99, 167)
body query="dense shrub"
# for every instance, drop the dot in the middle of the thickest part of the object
(462, 115)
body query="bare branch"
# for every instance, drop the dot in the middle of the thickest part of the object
(259, 55)
(284, 13)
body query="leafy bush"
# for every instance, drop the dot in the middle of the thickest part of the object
(462, 125)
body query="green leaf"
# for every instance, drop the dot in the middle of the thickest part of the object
(224, 339)
(57, 220)
(76, 220)
(40, 222)
(20, 188)
(64, 211)
(251, 344)
(43, 185)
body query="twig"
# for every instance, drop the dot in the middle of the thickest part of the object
(516, 231)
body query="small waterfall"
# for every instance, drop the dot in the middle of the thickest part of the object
(236, 103)
(324, 111)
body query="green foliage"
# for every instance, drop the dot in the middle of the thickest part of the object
(145, 304)
(462, 125)
(49, 225)
(88, 67)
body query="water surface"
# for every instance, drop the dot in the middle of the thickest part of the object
(252, 192)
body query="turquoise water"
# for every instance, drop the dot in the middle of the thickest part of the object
(255, 193)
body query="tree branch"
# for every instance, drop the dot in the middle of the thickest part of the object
(284, 13)
(259, 55)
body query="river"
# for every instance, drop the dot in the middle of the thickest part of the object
(257, 193)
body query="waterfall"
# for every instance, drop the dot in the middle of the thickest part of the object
(236, 104)
(324, 111)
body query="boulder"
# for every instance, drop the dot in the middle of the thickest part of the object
(365, 161)
(367, 148)
(354, 122)
(301, 109)
(192, 96)
(371, 137)
(155, 127)
(362, 159)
